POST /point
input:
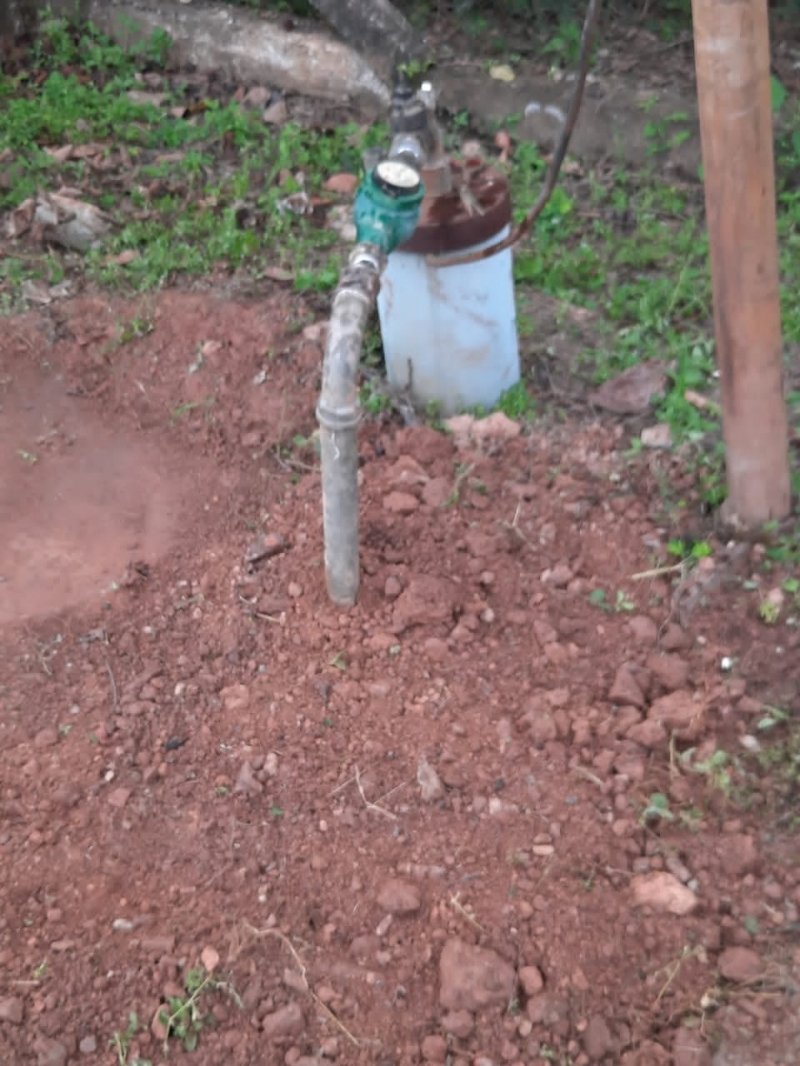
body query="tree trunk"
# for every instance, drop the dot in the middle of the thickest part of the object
(372, 26)
(731, 40)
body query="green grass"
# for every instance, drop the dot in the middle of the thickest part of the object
(187, 192)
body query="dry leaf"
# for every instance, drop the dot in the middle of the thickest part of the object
(19, 220)
(62, 154)
(344, 184)
(123, 258)
(69, 222)
(278, 274)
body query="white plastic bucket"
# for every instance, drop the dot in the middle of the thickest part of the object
(450, 333)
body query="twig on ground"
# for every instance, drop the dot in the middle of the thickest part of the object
(114, 694)
(458, 906)
(658, 571)
(278, 935)
(372, 806)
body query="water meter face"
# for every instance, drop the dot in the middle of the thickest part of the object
(396, 178)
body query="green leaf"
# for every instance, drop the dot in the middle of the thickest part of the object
(778, 93)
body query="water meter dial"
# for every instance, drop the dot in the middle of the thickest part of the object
(396, 178)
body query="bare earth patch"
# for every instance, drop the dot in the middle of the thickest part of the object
(477, 819)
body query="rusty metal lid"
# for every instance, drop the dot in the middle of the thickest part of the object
(477, 209)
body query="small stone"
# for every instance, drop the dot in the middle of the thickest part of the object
(598, 1039)
(294, 590)
(119, 797)
(399, 897)
(265, 547)
(648, 734)
(626, 690)
(460, 1023)
(690, 1049)
(643, 629)
(473, 978)
(46, 738)
(400, 503)
(236, 698)
(678, 869)
(658, 436)
(365, 947)
(122, 925)
(276, 114)
(740, 855)
(559, 576)
(434, 1049)
(383, 926)
(674, 638)
(49, 1052)
(680, 714)
(210, 958)
(540, 722)
(670, 671)
(740, 964)
(546, 1009)
(256, 97)
(663, 892)
(431, 787)
(12, 1009)
(246, 781)
(66, 795)
(88, 1045)
(543, 850)
(158, 945)
(531, 980)
(286, 1021)
(392, 588)
(427, 600)
(437, 492)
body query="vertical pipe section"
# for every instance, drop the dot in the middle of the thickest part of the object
(731, 41)
(338, 414)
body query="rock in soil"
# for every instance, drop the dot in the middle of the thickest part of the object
(598, 1039)
(690, 1049)
(531, 980)
(740, 964)
(663, 892)
(473, 978)
(12, 1010)
(399, 897)
(286, 1021)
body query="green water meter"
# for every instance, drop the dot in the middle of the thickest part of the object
(388, 204)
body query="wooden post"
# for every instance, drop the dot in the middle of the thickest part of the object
(731, 41)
